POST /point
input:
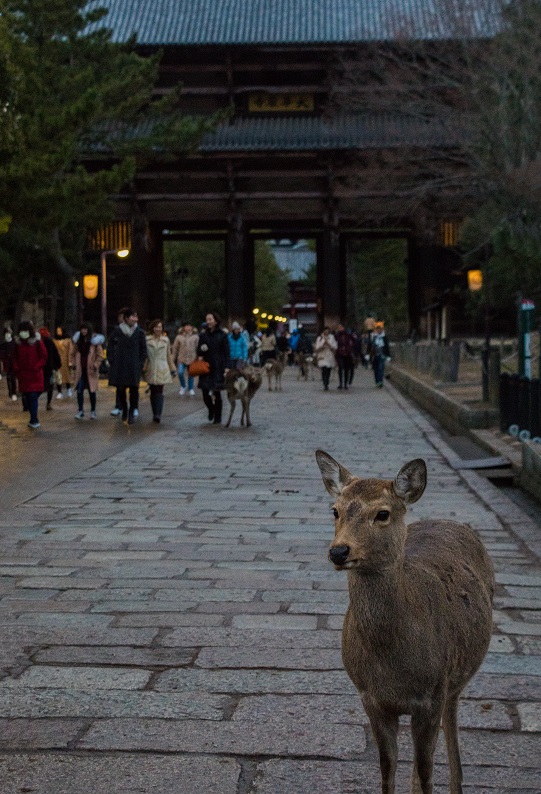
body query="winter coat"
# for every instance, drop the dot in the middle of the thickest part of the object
(126, 353)
(53, 359)
(28, 362)
(64, 351)
(217, 355)
(379, 345)
(345, 344)
(268, 343)
(185, 348)
(237, 346)
(95, 357)
(7, 352)
(159, 364)
(325, 350)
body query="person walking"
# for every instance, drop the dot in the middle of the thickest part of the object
(379, 352)
(158, 367)
(268, 345)
(28, 362)
(238, 348)
(344, 356)
(7, 352)
(86, 358)
(184, 352)
(63, 377)
(127, 353)
(325, 349)
(51, 367)
(213, 348)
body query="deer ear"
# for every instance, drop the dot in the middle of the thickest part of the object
(410, 482)
(335, 476)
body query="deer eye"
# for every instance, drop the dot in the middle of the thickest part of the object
(335, 512)
(383, 515)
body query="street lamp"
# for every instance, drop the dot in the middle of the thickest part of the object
(122, 253)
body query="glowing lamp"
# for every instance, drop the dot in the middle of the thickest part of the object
(90, 287)
(475, 280)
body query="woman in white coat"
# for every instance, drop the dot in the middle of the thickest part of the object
(325, 348)
(159, 367)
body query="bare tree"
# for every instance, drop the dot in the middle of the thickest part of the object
(457, 95)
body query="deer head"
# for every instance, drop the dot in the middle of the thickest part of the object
(370, 529)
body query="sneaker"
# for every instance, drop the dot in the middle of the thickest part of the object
(70, 393)
(59, 396)
(191, 393)
(80, 415)
(136, 412)
(13, 397)
(116, 412)
(93, 415)
(182, 391)
(34, 425)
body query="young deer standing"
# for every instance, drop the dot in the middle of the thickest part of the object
(242, 385)
(419, 619)
(274, 368)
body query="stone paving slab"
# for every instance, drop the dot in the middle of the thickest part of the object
(170, 621)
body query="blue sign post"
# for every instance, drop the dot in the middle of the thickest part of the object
(525, 326)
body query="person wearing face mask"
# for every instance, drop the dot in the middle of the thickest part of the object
(86, 357)
(127, 353)
(7, 352)
(325, 350)
(28, 362)
(238, 348)
(63, 345)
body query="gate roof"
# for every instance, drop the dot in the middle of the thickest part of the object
(294, 22)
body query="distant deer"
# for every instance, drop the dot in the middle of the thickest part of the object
(274, 368)
(304, 362)
(242, 385)
(419, 619)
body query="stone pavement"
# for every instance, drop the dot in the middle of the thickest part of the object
(171, 624)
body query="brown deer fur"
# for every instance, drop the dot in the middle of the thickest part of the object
(419, 619)
(274, 368)
(242, 385)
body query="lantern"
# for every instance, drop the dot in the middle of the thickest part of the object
(90, 287)
(475, 280)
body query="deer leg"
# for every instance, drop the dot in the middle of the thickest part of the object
(243, 403)
(231, 412)
(425, 725)
(270, 381)
(385, 730)
(248, 423)
(450, 729)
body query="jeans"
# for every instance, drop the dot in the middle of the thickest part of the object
(345, 370)
(123, 400)
(30, 403)
(378, 365)
(81, 386)
(182, 368)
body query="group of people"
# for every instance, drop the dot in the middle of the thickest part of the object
(344, 348)
(35, 363)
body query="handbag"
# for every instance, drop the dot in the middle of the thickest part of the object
(197, 368)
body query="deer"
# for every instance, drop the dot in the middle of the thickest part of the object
(419, 619)
(242, 385)
(274, 368)
(304, 362)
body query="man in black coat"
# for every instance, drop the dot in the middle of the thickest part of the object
(213, 347)
(127, 353)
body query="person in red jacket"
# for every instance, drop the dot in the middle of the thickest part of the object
(28, 363)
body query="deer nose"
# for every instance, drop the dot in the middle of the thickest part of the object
(339, 554)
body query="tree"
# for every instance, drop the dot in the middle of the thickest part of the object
(271, 290)
(194, 280)
(463, 91)
(73, 91)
